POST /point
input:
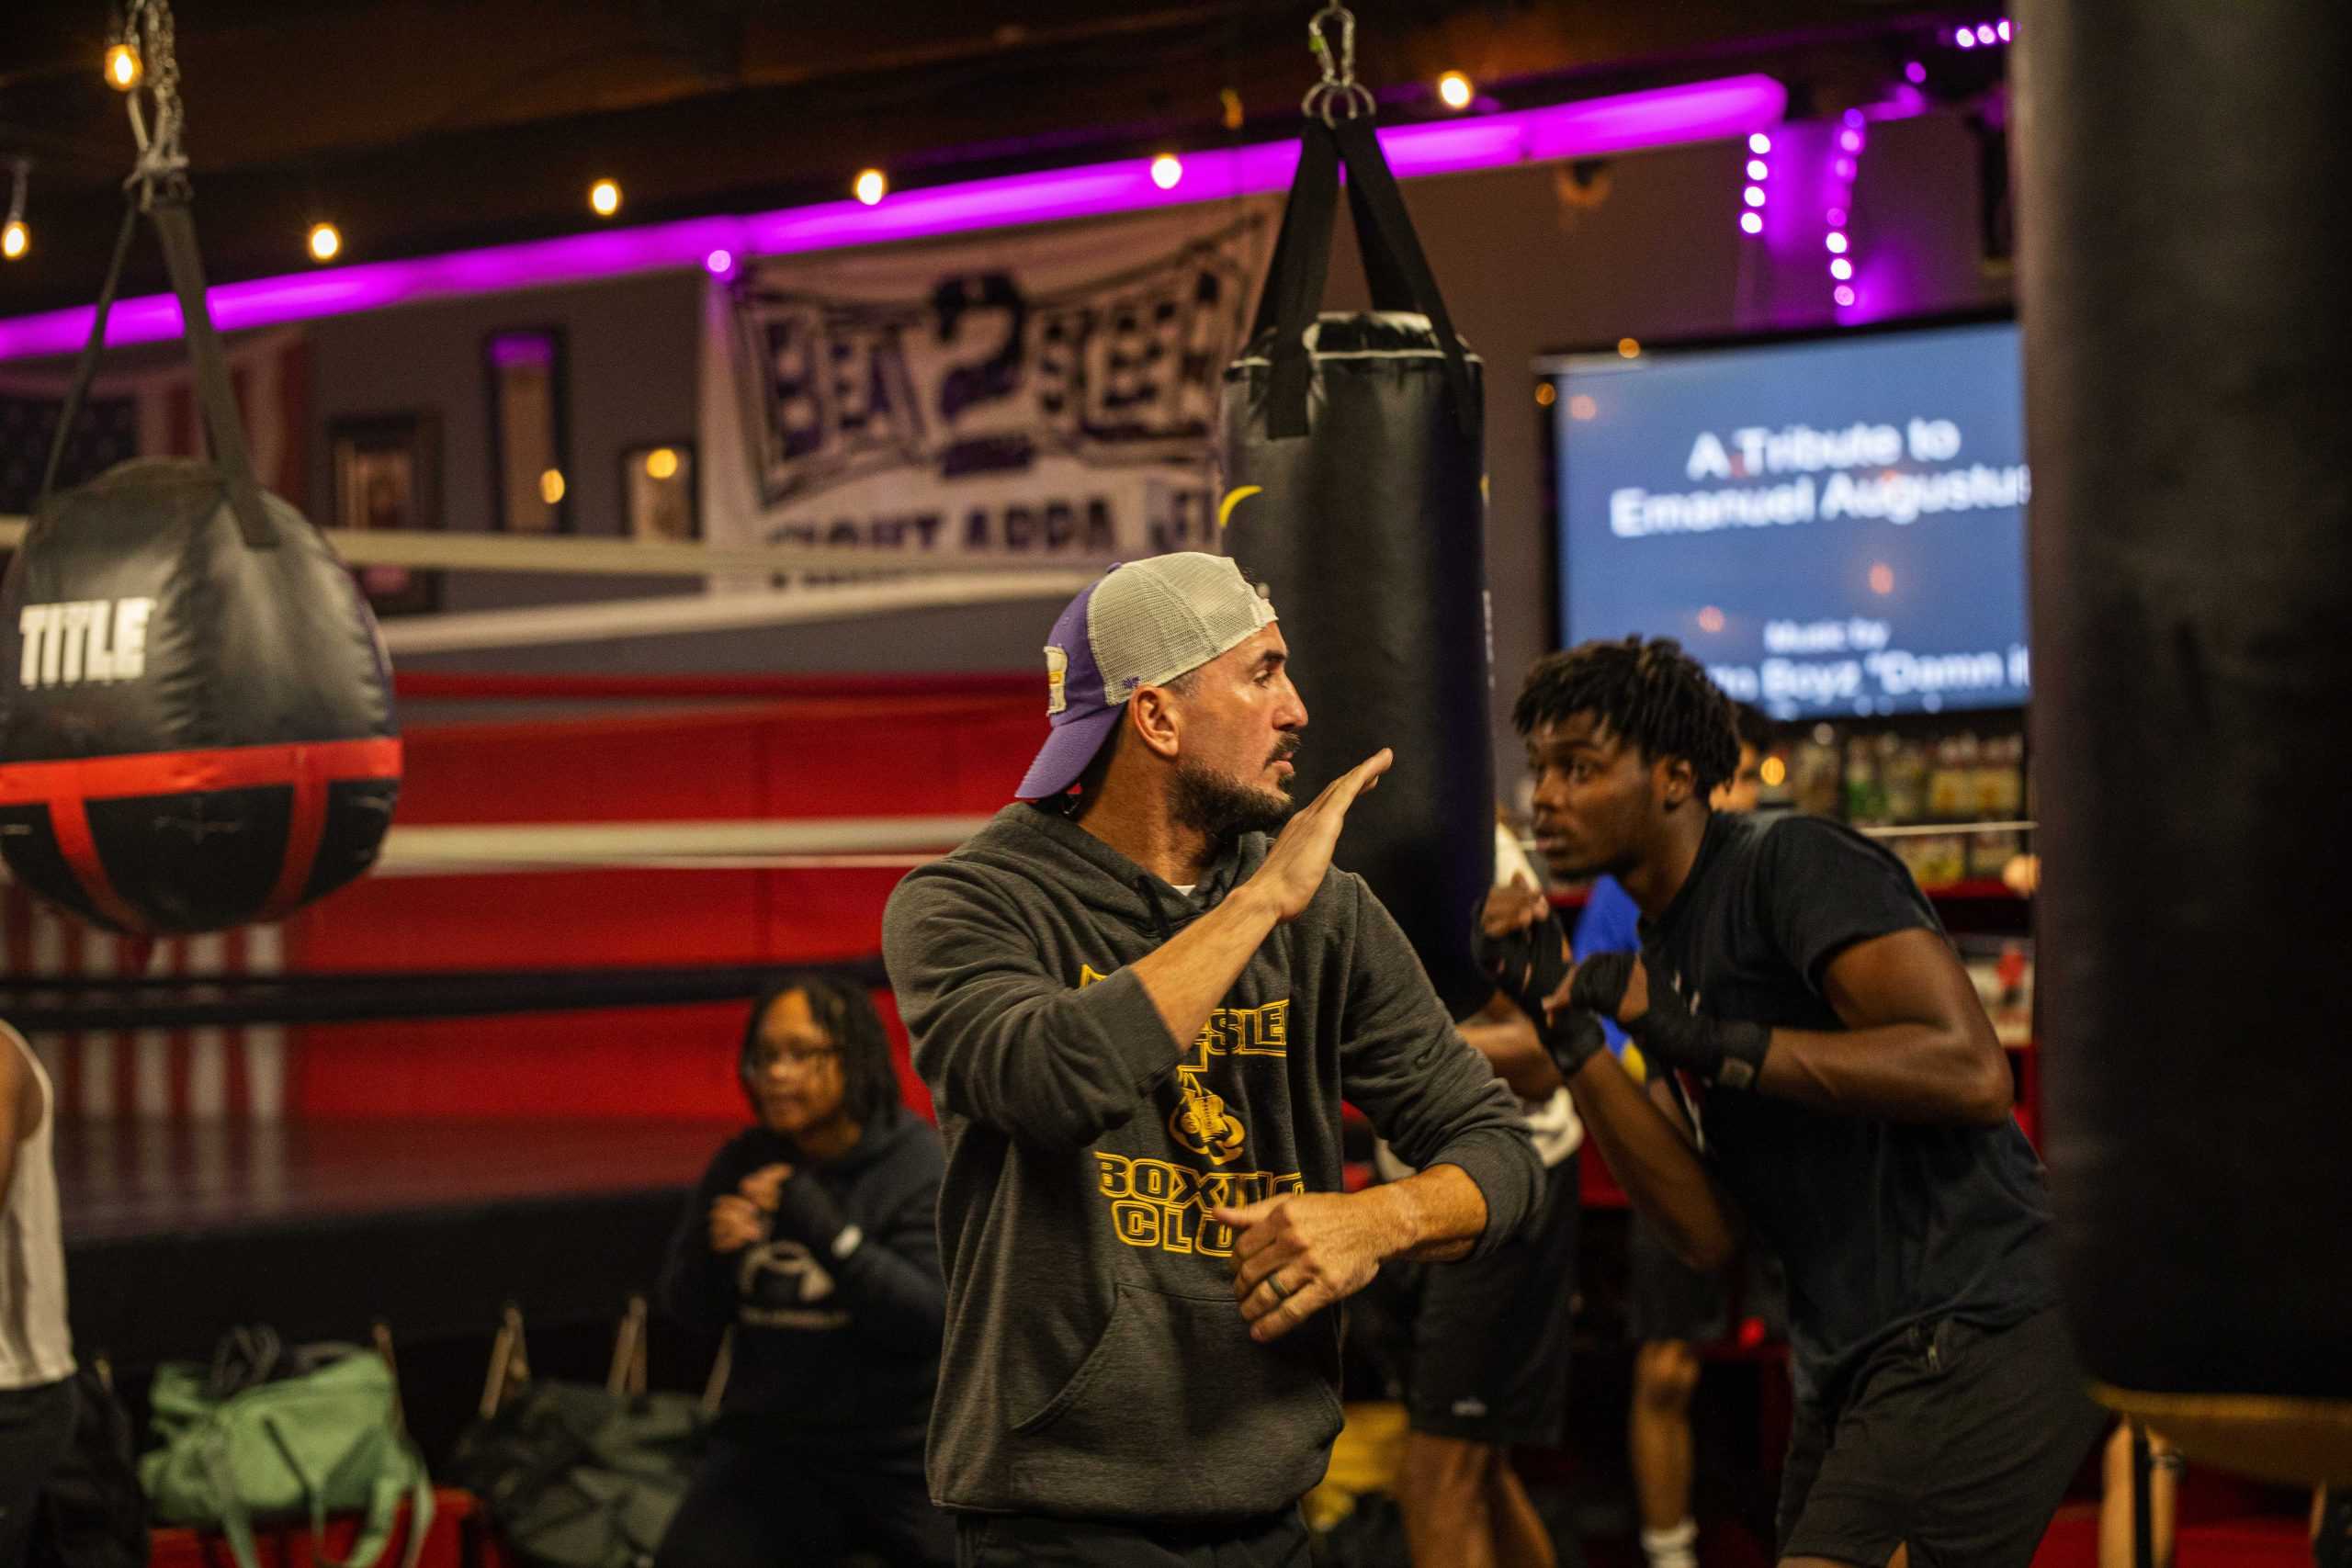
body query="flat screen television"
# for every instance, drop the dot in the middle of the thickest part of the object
(1834, 526)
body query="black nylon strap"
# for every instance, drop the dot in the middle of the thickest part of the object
(1391, 290)
(1370, 180)
(1294, 288)
(86, 368)
(177, 230)
(1394, 266)
(215, 396)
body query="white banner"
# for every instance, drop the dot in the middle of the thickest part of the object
(1035, 398)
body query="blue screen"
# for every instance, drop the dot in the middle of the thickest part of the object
(1833, 527)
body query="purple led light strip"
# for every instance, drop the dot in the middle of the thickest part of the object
(1700, 111)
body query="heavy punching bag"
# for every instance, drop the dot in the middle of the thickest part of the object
(196, 714)
(2188, 374)
(1352, 485)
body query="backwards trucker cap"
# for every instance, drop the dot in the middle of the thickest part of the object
(1141, 624)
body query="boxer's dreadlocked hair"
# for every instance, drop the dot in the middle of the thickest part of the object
(1651, 694)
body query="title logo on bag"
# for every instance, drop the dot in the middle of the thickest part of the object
(83, 642)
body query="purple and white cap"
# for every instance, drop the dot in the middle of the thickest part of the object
(1141, 624)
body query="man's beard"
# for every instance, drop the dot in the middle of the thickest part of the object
(1221, 809)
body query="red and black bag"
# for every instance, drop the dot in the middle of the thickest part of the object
(196, 710)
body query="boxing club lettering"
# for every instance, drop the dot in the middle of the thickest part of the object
(1166, 1204)
(84, 641)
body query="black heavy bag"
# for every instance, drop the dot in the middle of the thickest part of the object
(196, 714)
(1353, 479)
(2188, 330)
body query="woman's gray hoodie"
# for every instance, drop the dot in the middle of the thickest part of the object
(1096, 1364)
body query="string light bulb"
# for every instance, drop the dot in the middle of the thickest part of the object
(871, 188)
(1166, 170)
(551, 487)
(326, 242)
(1454, 91)
(605, 198)
(16, 238)
(124, 69)
(661, 463)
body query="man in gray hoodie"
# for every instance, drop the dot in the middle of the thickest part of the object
(1138, 1016)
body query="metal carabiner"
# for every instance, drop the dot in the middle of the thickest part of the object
(1338, 88)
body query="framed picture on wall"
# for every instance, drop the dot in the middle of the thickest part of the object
(658, 493)
(530, 470)
(386, 475)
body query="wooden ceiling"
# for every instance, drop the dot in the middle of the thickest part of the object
(419, 125)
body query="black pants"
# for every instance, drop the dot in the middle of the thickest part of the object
(1955, 1440)
(1018, 1540)
(766, 1508)
(36, 1425)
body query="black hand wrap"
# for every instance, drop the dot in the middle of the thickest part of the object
(1713, 1050)
(1528, 966)
(806, 1212)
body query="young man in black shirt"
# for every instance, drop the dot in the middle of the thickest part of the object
(1833, 1082)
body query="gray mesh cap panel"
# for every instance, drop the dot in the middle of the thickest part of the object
(1153, 620)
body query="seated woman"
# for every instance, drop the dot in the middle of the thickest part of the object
(813, 1236)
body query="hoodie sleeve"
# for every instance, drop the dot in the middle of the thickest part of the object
(697, 1286)
(1434, 1098)
(889, 1282)
(998, 1039)
(892, 1281)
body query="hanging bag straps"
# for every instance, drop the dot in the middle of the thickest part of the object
(217, 399)
(158, 186)
(1397, 270)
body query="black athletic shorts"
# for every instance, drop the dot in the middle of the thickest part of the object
(1667, 1299)
(1279, 1539)
(1956, 1440)
(1491, 1339)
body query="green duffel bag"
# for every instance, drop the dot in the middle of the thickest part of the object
(325, 1440)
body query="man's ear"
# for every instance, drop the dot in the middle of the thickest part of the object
(1152, 714)
(1678, 781)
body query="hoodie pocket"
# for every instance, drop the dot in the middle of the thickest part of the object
(1178, 1411)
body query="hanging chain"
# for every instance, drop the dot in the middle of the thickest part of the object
(1338, 91)
(21, 172)
(147, 28)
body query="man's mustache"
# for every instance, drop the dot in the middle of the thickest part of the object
(1286, 751)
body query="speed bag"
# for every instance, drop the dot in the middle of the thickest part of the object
(1353, 487)
(196, 731)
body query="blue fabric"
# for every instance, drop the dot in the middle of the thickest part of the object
(1609, 923)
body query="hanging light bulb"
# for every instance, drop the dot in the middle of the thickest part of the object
(15, 238)
(1454, 88)
(326, 242)
(605, 198)
(1166, 170)
(872, 187)
(124, 70)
